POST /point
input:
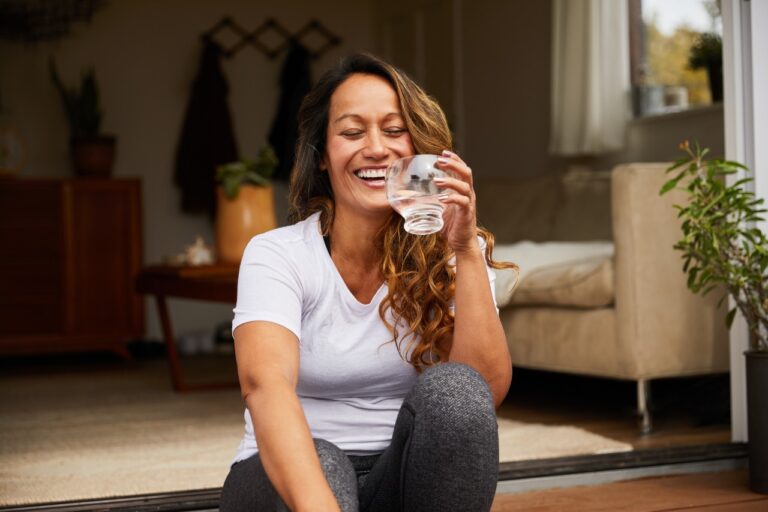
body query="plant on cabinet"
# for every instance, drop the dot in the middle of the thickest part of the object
(93, 153)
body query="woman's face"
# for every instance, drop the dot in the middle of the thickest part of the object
(366, 132)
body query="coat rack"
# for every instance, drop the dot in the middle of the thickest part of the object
(256, 37)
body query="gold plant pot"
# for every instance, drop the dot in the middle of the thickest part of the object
(240, 219)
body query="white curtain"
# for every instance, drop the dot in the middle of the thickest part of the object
(590, 76)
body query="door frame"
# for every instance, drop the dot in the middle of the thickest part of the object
(745, 80)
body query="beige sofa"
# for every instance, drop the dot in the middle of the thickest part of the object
(603, 293)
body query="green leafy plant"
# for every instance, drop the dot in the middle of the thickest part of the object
(706, 51)
(80, 104)
(720, 244)
(254, 172)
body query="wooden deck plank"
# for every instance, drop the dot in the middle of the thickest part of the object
(713, 492)
(744, 506)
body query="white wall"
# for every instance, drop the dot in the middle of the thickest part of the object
(146, 53)
(506, 62)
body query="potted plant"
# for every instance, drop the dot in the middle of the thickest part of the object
(93, 153)
(722, 247)
(707, 53)
(245, 204)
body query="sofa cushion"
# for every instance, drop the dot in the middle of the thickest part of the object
(584, 212)
(576, 274)
(586, 283)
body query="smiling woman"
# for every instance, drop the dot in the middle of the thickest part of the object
(370, 359)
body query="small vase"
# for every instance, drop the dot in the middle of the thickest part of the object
(757, 419)
(240, 219)
(93, 156)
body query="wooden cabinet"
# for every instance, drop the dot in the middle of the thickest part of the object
(70, 250)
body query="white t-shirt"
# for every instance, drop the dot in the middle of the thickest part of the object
(352, 379)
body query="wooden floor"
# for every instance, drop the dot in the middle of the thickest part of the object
(690, 411)
(711, 492)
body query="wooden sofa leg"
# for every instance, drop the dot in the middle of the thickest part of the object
(643, 404)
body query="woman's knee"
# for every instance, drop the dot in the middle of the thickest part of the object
(455, 382)
(454, 393)
(339, 472)
(247, 487)
(454, 438)
(332, 458)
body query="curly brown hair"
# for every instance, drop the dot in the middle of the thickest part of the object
(417, 269)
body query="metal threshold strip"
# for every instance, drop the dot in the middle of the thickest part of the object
(208, 499)
(622, 460)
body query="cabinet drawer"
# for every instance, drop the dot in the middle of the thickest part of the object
(31, 259)
(103, 270)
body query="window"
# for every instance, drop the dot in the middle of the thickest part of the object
(675, 54)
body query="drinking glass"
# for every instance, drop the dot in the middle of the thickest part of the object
(413, 193)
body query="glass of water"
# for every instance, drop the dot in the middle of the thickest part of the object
(413, 193)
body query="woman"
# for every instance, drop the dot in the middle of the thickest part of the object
(370, 360)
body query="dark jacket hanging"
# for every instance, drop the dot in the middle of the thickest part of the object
(207, 138)
(295, 83)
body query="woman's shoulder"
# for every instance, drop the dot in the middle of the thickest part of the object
(288, 255)
(293, 239)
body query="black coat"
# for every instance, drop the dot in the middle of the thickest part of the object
(295, 83)
(207, 137)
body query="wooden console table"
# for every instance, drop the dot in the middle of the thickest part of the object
(215, 283)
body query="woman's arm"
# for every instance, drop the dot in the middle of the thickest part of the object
(267, 365)
(478, 337)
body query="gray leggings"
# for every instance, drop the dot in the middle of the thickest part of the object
(444, 455)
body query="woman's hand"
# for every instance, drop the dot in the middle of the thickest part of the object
(460, 215)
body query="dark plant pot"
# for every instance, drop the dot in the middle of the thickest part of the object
(757, 419)
(93, 156)
(715, 76)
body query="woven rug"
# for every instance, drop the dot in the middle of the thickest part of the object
(101, 434)
(529, 441)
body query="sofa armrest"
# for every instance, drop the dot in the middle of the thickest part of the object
(667, 329)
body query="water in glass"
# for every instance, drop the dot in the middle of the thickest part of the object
(412, 192)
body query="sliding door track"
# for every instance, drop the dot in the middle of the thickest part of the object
(623, 460)
(208, 499)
